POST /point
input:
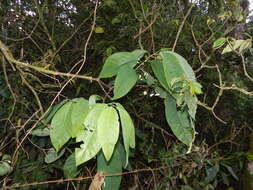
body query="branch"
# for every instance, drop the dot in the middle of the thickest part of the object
(8, 55)
(181, 27)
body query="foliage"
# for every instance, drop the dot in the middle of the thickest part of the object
(154, 94)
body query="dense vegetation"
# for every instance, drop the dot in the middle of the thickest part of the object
(62, 78)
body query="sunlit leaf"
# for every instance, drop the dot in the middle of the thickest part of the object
(108, 130)
(219, 43)
(125, 80)
(89, 137)
(80, 109)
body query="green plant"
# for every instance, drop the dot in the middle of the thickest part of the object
(102, 128)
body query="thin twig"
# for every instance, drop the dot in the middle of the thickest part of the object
(181, 27)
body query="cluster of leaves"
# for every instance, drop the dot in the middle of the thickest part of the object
(156, 87)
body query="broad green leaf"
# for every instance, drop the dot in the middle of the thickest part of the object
(113, 166)
(70, 169)
(61, 126)
(5, 168)
(115, 61)
(178, 121)
(52, 155)
(125, 80)
(52, 111)
(108, 131)
(158, 70)
(80, 109)
(219, 43)
(139, 53)
(175, 66)
(91, 145)
(128, 130)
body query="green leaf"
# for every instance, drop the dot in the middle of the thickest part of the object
(93, 99)
(125, 80)
(139, 53)
(52, 111)
(158, 70)
(108, 131)
(5, 168)
(89, 137)
(113, 166)
(211, 173)
(195, 88)
(80, 109)
(115, 61)
(61, 126)
(175, 66)
(128, 130)
(245, 45)
(227, 49)
(52, 155)
(219, 43)
(178, 121)
(41, 132)
(191, 102)
(233, 45)
(231, 171)
(70, 169)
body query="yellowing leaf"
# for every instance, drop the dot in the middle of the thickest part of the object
(195, 88)
(99, 30)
